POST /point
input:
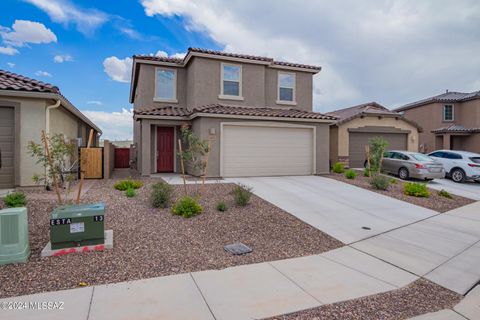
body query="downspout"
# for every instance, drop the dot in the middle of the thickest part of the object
(47, 115)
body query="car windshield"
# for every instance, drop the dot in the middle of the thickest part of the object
(421, 157)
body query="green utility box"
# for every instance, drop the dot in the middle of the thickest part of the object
(14, 245)
(77, 225)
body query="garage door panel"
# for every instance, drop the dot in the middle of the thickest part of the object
(7, 136)
(264, 151)
(358, 141)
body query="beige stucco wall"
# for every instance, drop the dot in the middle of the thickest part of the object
(303, 89)
(343, 134)
(62, 121)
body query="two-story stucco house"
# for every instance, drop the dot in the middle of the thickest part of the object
(450, 121)
(256, 111)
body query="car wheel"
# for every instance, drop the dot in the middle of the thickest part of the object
(458, 175)
(403, 173)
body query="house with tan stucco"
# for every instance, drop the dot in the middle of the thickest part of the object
(256, 111)
(356, 125)
(28, 106)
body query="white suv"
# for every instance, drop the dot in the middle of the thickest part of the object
(459, 165)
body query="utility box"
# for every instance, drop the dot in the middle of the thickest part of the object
(14, 246)
(77, 225)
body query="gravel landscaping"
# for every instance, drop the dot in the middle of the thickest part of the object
(152, 242)
(395, 190)
(420, 297)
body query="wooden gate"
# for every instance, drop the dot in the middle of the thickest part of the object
(122, 158)
(91, 162)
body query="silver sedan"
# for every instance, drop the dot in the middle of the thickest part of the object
(412, 165)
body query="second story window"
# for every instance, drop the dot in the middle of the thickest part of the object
(231, 84)
(286, 87)
(448, 112)
(165, 84)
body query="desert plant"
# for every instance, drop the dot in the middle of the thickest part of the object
(376, 148)
(161, 194)
(222, 206)
(393, 181)
(416, 189)
(242, 194)
(124, 185)
(187, 207)
(15, 200)
(350, 174)
(55, 154)
(379, 181)
(445, 193)
(338, 167)
(366, 172)
(130, 193)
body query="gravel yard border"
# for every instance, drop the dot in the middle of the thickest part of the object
(434, 202)
(420, 297)
(152, 242)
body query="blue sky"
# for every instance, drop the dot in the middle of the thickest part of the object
(392, 51)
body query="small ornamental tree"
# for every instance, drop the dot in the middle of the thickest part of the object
(194, 152)
(54, 153)
(375, 149)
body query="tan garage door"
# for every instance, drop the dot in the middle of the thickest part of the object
(7, 139)
(252, 150)
(358, 141)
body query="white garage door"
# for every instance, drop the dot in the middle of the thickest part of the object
(253, 150)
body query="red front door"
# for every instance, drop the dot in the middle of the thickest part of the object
(165, 149)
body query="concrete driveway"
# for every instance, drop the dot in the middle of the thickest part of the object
(345, 212)
(468, 189)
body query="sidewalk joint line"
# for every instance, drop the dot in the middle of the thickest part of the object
(203, 297)
(296, 284)
(90, 304)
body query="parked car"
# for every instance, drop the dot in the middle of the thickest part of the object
(407, 164)
(459, 165)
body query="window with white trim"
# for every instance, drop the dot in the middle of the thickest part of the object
(165, 84)
(286, 87)
(448, 112)
(231, 80)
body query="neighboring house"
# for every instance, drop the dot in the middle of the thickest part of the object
(356, 125)
(256, 111)
(27, 107)
(450, 121)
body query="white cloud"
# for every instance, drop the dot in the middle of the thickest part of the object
(178, 55)
(389, 51)
(115, 125)
(25, 31)
(131, 33)
(11, 64)
(95, 102)
(9, 51)
(65, 12)
(161, 53)
(41, 73)
(118, 69)
(60, 58)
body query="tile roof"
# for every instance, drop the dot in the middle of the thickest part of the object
(456, 128)
(227, 54)
(16, 82)
(444, 97)
(370, 108)
(220, 109)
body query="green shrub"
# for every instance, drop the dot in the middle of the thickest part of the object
(222, 206)
(379, 182)
(377, 146)
(350, 174)
(393, 181)
(366, 172)
(444, 193)
(416, 189)
(161, 194)
(123, 185)
(130, 193)
(187, 207)
(338, 167)
(242, 194)
(15, 200)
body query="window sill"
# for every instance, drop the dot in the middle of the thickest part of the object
(448, 121)
(289, 103)
(224, 97)
(165, 100)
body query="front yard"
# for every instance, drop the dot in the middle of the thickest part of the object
(395, 190)
(151, 242)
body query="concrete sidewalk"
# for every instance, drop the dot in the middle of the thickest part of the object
(243, 292)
